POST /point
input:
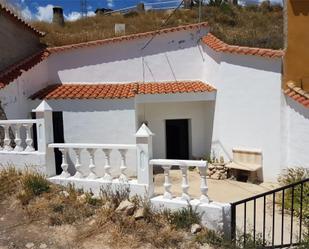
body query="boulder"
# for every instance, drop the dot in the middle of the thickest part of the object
(195, 228)
(139, 214)
(126, 207)
(82, 198)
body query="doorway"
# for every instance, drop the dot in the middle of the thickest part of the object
(58, 138)
(177, 139)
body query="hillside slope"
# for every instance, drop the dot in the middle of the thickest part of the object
(247, 26)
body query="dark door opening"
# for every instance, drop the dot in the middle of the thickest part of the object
(177, 139)
(58, 138)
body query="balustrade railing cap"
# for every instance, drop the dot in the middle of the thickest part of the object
(144, 131)
(43, 107)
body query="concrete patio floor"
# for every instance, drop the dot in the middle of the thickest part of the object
(228, 191)
(218, 190)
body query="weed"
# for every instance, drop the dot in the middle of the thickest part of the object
(35, 183)
(114, 196)
(183, 218)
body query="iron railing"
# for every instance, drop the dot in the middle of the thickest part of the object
(294, 214)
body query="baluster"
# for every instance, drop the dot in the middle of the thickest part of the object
(7, 140)
(204, 189)
(185, 186)
(92, 174)
(123, 167)
(78, 166)
(17, 140)
(64, 164)
(167, 185)
(1, 139)
(107, 176)
(29, 140)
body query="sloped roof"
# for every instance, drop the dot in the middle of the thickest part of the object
(19, 20)
(119, 90)
(297, 94)
(219, 46)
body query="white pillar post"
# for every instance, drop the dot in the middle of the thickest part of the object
(29, 140)
(45, 135)
(204, 188)
(144, 155)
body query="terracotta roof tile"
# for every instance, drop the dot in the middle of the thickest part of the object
(297, 94)
(13, 72)
(127, 37)
(216, 44)
(119, 91)
(19, 20)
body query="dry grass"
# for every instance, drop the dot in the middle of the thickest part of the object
(45, 203)
(254, 26)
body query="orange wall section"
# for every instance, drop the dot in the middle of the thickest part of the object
(296, 62)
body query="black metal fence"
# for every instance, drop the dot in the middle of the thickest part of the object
(283, 212)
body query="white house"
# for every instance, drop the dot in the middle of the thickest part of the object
(198, 95)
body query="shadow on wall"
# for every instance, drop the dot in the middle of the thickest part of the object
(300, 7)
(297, 107)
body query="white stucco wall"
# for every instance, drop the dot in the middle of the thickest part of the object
(248, 106)
(15, 97)
(168, 57)
(102, 122)
(199, 114)
(298, 134)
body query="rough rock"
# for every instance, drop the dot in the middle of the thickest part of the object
(139, 214)
(195, 228)
(82, 198)
(65, 193)
(126, 207)
(29, 245)
(43, 246)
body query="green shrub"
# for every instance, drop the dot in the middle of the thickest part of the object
(183, 218)
(290, 176)
(35, 183)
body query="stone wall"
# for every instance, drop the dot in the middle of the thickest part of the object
(217, 171)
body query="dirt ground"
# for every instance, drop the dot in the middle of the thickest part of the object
(17, 231)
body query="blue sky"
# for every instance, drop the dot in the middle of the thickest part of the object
(42, 9)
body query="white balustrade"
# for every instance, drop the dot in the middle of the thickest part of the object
(185, 186)
(17, 140)
(92, 174)
(107, 177)
(64, 165)
(123, 167)
(166, 164)
(93, 150)
(16, 127)
(204, 189)
(78, 166)
(167, 184)
(7, 139)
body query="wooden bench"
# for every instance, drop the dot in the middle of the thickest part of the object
(246, 165)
